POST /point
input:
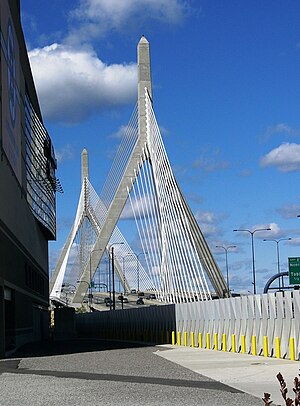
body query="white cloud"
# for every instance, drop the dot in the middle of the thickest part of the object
(207, 222)
(74, 83)
(71, 81)
(209, 161)
(205, 217)
(65, 153)
(97, 17)
(195, 198)
(280, 128)
(286, 157)
(295, 241)
(289, 211)
(273, 233)
(139, 207)
(275, 230)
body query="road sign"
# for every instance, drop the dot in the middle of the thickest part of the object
(294, 270)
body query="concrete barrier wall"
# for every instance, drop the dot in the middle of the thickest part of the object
(262, 323)
(255, 324)
(149, 324)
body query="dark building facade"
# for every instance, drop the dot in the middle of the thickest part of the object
(27, 193)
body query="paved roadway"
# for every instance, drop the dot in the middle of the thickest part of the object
(99, 304)
(94, 373)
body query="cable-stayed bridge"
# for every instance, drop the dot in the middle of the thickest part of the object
(179, 264)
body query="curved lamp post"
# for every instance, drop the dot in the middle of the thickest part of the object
(226, 259)
(277, 249)
(252, 244)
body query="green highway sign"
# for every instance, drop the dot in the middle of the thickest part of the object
(294, 271)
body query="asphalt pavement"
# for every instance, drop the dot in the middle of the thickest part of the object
(86, 372)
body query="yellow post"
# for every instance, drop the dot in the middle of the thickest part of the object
(216, 344)
(192, 339)
(200, 340)
(173, 338)
(254, 349)
(292, 349)
(243, 344)
(266, 347)
(224, 342)
(208, 341)
(233, 343)
(179, 338)
(52, 318)
(277, 347)
(185, 338)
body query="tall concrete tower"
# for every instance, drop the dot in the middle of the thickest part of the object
(144, 82)
(84, 165)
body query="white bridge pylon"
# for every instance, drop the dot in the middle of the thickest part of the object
(180, 266)
(89, 219)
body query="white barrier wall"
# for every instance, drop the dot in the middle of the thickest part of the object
(254, 320)
(271, 315)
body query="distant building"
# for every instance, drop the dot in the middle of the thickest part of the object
(27, 193)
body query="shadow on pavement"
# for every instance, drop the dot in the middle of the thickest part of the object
(64, 347)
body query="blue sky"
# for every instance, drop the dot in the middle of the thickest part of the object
(226, 95)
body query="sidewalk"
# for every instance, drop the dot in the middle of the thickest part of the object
(251, 374)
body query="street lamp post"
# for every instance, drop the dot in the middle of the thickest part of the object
(113, 272)
(277, 249)
(252, 245)
(138, 268)
(226, 259)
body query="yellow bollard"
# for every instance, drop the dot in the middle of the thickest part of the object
(216, 344)
(208, 341)
(292, 349)
(266, 347)
(243, 344)
(224, 342)
(185, 338)
(233, 343)
(277, 347)
(173, 338)
(52, 318)
(179, 338)
(200, 340)
(192, 339)
(254, 349)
